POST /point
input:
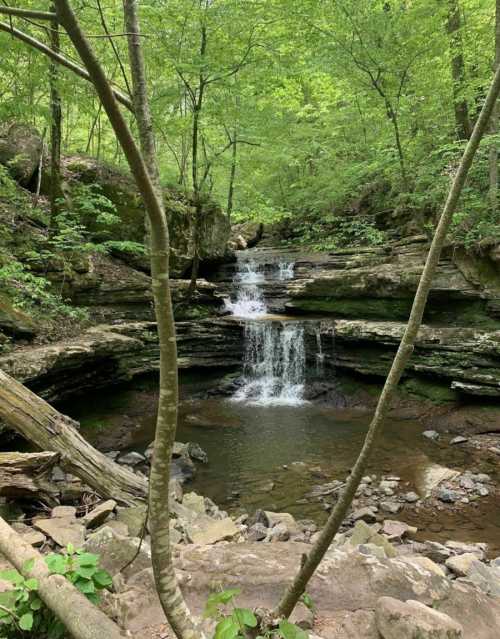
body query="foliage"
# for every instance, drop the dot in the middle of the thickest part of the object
(22, 611)
(239, 623)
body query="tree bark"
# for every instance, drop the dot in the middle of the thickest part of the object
(49, 430)
(453, 25)
(167, 588)
(493, 154)
(299, 584)
(232, 177)
(56, 122)
(27, 475)
(81, 618)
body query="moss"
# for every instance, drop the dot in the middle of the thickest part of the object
(365, 308)
(195, 311)
(433, 391)
(13, 321)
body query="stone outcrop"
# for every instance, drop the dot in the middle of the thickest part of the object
(112, 353)
(119, 187)
(20, 149)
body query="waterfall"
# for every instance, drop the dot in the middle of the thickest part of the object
(320, 356)
(275, 360)
(275, 363)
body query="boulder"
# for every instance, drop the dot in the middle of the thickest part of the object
(99, 514)
(62, 530)
(283, 518)
(20, 149)
(134, 518)
(209, 531)
(414, 620)
(460, 565)
(115, 551)
(397, 530)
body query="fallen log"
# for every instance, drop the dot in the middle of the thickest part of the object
(47, 429)
(82, 619)
(27, 475)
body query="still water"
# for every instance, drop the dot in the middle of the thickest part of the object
(271, 456)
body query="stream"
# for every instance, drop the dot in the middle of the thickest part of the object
(267, 445)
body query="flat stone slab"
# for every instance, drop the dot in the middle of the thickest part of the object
(413, 620)
(62, 531)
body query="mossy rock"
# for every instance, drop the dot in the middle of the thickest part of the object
(371, 308)
(433, 391)
(14, 322)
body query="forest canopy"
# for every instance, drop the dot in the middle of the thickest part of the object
(304, 110)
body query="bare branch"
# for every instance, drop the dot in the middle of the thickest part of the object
(27, 13)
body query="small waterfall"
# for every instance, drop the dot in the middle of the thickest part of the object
(249, 297)
(320, 356)
(275, 363)
(275, 358)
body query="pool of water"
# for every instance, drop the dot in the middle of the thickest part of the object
(271, 456)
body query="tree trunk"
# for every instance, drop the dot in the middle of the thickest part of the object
(299, 584)
(232, 176)
(27, 475)
(56, 123)
(167, 588)
(49, 430)
(453, 25)
(81, 618)
(493, 154)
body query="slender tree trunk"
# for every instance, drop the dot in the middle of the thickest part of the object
(232, 176)
(397, 137)
(493, 154)
(43, 426)
(453, 26)
(81, 618)
(168, 590)
(56, 122)
(299, 584)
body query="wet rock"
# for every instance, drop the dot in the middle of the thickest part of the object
(431, 434)
(448, 496)
(482, 491)
(459, 440)
(182, 469)
(460, 564)
(197, 453)
(259, 517)
(413, 620)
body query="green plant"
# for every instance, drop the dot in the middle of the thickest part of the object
(22, 611)
(239, 623)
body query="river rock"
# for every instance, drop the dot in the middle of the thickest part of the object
(133, 458)
(448, 496)
(134, 518)
(197, 453)
(460, 547)
(411, 497)
(257, 532)
(366, 514)
(431, 434)
(99, 514)
(460, 564)
(208, 531)
(283, 518)
(279, 532)
(414, 620)
(62, 530)
(66, 512)
(115, 551)
(397, 530)
(390, 507)
(487, 578)
(302, 616)
(194, 502)
(459, 440)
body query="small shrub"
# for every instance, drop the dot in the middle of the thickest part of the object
(23, 613)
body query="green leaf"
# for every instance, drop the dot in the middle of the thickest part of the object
(307, 601)
(36, 604)
(31, 584)
(70, 549)
(290, 631)
(26, 621)
(245, 617)
(102, 578)
(87, 559)
(85, 586)
(57, 564)
(87, 572)
(226, 629)
(12, 576)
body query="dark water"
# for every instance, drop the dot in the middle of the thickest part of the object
(270, 457)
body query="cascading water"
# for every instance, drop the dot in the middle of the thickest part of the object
(275, 360)
(275, 363)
